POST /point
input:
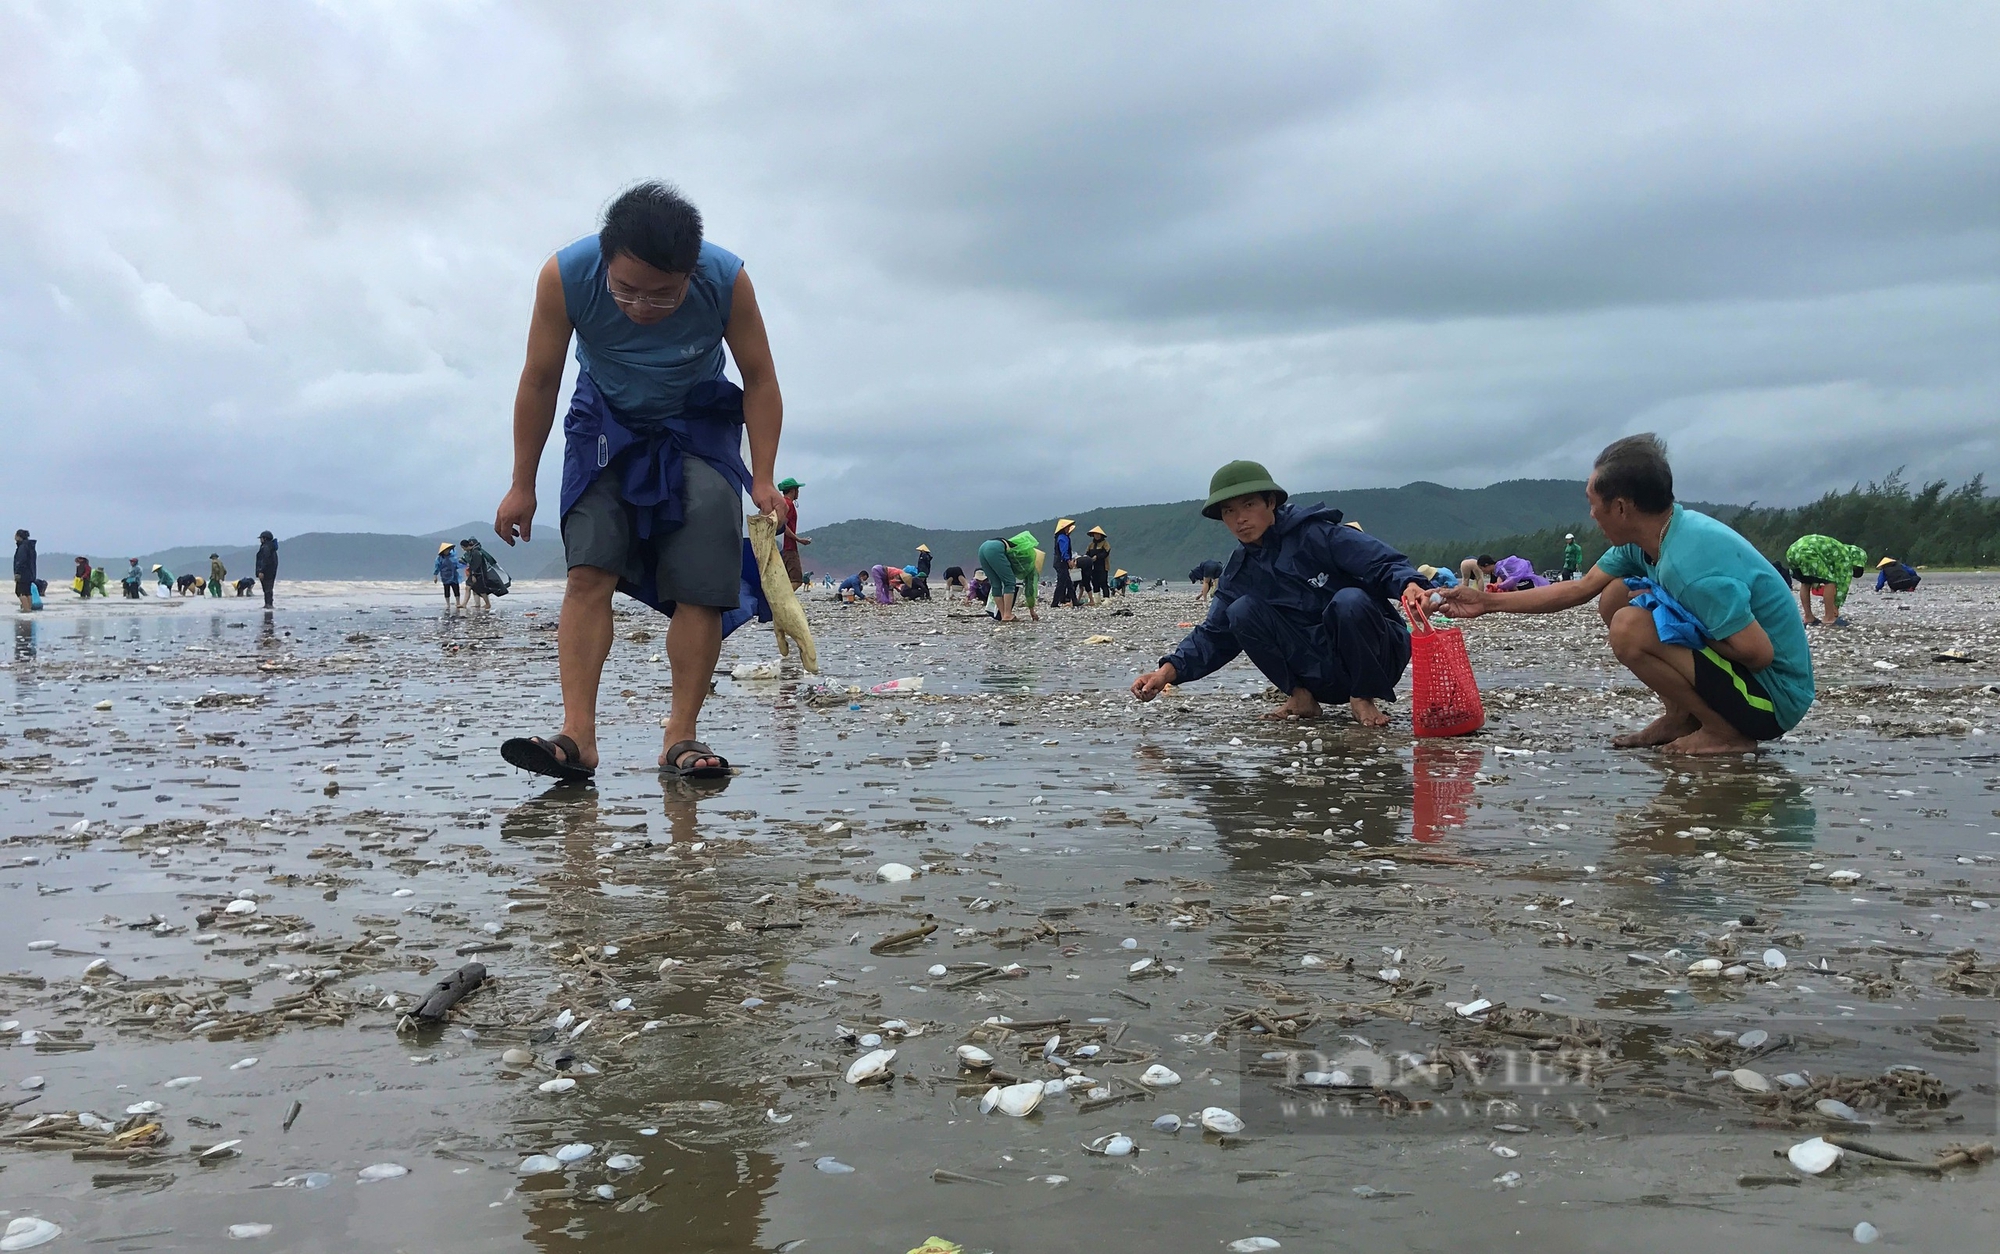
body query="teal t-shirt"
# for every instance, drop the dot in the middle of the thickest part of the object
(1727, 584)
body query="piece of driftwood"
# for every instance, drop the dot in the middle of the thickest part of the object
(448, 992)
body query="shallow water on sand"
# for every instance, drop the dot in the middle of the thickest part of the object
(336, 763)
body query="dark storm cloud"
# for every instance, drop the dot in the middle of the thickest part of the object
(269, 265)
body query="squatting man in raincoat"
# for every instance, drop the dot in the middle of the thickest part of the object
(652, 465)
(1308, 600)
(1695, 612)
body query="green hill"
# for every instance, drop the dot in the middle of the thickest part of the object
(1165, 541)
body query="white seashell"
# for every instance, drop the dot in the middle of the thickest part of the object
(1842, 877)
(221, 1149)
(38, 945)
(1251, 1245)
(873, 1065)
(574, 1152)
(1018, 1100)
(1866, 1233)
(383, 1171)
(144, 1108)
(1504, 1151)
(26, 1233)
(1753, 1038)
(243, 1064)
(869, 1040)
(1389, 975)
(1312, 960)
(1507, 1179)
(1835, 1109)
(622, 1162)
(623, 1003)
(561, 1084)
(1774, 959)
(1793, 1080)
(609, 951)
(537, 1164)
(772, 1116)
(1737, 972)
(181, 1081)
(1218, 1120)
(1129, 943)
(1167, 1123)
(1750, 1081)
(894, 873)
(1085, 1051)
(974, 1057)
(605, 1191)
(1117, 1145)
(1139, 966)
(1705, 966)
(241, 905)
(1050, 1046)
(1056, 1088)
(1472, 1009)
(1159, 1077)
(938, 969)
(517, 1057)
(1814, 1156)
(33, 1082)
(833, 1166)
(404, 892)
(95, 965)
(564, 1019)
(248, 1232)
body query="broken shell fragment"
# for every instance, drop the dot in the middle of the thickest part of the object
(382, 1171)
(1223, 1122)
(1814, 1156)
(1111, 1145)
(1159, 1077)
(873, 1065)
(1167, 1123)
(248, 1232)
(1705, 966)
(894, 873)
(1833, 1108)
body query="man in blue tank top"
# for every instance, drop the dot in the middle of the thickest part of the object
(652, 459)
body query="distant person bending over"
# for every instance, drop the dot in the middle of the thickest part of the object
(24, 570)
(446, 570)
(1013, 572)
(850, 587)
(97, 584)
(1207, 574)
(1306, 598)
(887, 581)
(1572, 557)
(924, 572)
(954, 578)
(1439, 577)
(267, 564)
(1745, 674)
(653, 472)
(788, 549)
(1516, 573)
(1477, 572)
(1826, 566)
(244, 585)
(164, 577)
(1896, 576)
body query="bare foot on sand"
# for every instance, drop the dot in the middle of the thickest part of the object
(1302, 704)
(1661, 731)
(1367, 713)
(1711, 741)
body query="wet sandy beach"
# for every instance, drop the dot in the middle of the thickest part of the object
(1180, 885)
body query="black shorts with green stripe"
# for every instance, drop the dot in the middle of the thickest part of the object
(1735, 694)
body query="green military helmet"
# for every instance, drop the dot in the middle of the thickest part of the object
(1238, 479)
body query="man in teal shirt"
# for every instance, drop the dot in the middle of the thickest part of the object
(1751, 677)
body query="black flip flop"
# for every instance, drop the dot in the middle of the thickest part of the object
(537, 755)
(694, 748)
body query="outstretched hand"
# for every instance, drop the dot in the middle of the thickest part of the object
(1154, 682)
(1465, 601)
(516, 515)
(1417, 605)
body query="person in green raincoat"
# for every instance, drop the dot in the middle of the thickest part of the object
(1827, 566)
(166, 578)
(1013, 571)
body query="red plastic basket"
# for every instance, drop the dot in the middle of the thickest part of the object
(1445, 698)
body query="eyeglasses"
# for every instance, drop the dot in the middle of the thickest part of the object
(629, 300)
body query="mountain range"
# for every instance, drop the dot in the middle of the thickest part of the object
(1428, 521)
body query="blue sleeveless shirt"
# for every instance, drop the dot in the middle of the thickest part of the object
(645, 372)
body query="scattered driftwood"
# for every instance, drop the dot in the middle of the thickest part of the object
(448, 992)
(900, 939)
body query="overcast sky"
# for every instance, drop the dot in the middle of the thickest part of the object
(269, 264)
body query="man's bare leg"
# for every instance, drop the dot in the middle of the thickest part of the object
(583, 641)
(1367, 713)
(1301, 704)
(1805, 603)
(1669, 671)
(694, 642)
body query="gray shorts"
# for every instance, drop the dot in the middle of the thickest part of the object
(699, 564)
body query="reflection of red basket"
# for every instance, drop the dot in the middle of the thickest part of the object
(1444, 788)
(1445, 700)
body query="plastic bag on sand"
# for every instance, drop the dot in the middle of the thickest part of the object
(899, 687)
(788, 620)
(1445, 696)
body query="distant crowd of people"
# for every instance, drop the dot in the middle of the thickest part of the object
(89, 580)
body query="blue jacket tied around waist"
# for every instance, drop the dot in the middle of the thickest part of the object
(1671, 620)
(649, 468)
